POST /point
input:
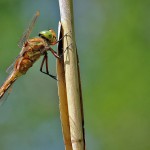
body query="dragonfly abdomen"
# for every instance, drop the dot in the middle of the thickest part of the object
(22, 65)
(10, 80)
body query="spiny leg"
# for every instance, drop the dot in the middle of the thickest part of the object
(53, 52)
(60, 56)
(45, 59)
(65, 50)
(48, 48)
(62, 37)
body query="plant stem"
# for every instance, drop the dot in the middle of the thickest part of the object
(63, 104)
(71, 79)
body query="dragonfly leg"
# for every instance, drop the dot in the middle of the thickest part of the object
(45, 59)
(53, 52)
(65, 50)
(62, 37)
(48, 48)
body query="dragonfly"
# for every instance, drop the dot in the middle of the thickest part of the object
(31, 50)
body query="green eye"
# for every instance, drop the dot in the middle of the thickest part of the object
(48, 35)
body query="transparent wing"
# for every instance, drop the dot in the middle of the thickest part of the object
(7, 87)
(5, 97)
(27, 33)
(24, 38)
(11, 67)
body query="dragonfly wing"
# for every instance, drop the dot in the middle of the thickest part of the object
(27, 33)
(11, 67)
(6, 87)
(4, 98)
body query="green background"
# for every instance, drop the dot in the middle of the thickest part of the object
(113, 40)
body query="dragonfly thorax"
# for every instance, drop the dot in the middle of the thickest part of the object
(49, 36)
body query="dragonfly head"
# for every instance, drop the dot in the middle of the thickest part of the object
(49, 35)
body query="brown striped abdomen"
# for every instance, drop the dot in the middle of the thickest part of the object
(9, 81)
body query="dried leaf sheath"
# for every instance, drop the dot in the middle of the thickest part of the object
(63, 104)
(72, 78)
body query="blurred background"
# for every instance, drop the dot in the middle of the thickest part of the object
(114, 50)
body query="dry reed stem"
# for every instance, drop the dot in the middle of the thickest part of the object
(72, 78)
